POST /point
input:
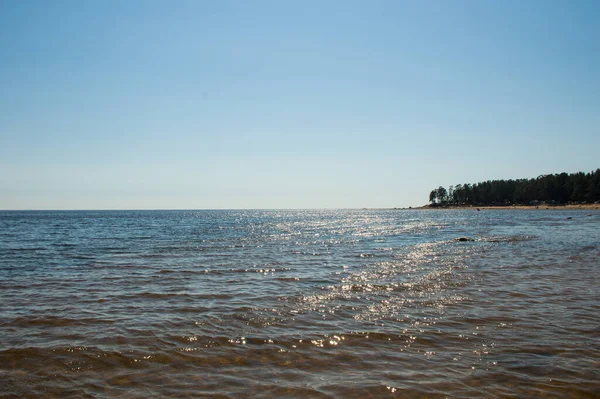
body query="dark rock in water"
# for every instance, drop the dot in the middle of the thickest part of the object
(464, 239)
(569, 218)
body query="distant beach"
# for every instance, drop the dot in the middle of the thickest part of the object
(517, 207)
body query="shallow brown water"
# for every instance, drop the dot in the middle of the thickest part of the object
(300, 304)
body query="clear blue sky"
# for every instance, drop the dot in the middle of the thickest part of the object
(289, 104)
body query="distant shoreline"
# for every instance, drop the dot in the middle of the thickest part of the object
(588, 207)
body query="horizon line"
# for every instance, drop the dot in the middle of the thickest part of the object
(202, 209)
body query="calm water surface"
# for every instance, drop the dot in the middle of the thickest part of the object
(300, 304)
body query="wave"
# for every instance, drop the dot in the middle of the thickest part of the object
(51, 321)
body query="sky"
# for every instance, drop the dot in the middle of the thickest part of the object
(160, 104)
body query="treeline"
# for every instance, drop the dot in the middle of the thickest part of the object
(557, 189)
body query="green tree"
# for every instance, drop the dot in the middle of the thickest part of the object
(433, 196)
(552, 188)
(442, 195)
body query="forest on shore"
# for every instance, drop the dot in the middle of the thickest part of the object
(553, 189)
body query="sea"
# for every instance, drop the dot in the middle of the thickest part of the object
(300, 304)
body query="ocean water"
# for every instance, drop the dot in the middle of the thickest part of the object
(300, 304)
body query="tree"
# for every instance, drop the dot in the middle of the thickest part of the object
(552, 188)
(433, 196)
(442, 194)
(438, 196)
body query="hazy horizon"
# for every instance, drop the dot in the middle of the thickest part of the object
(289, 105)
